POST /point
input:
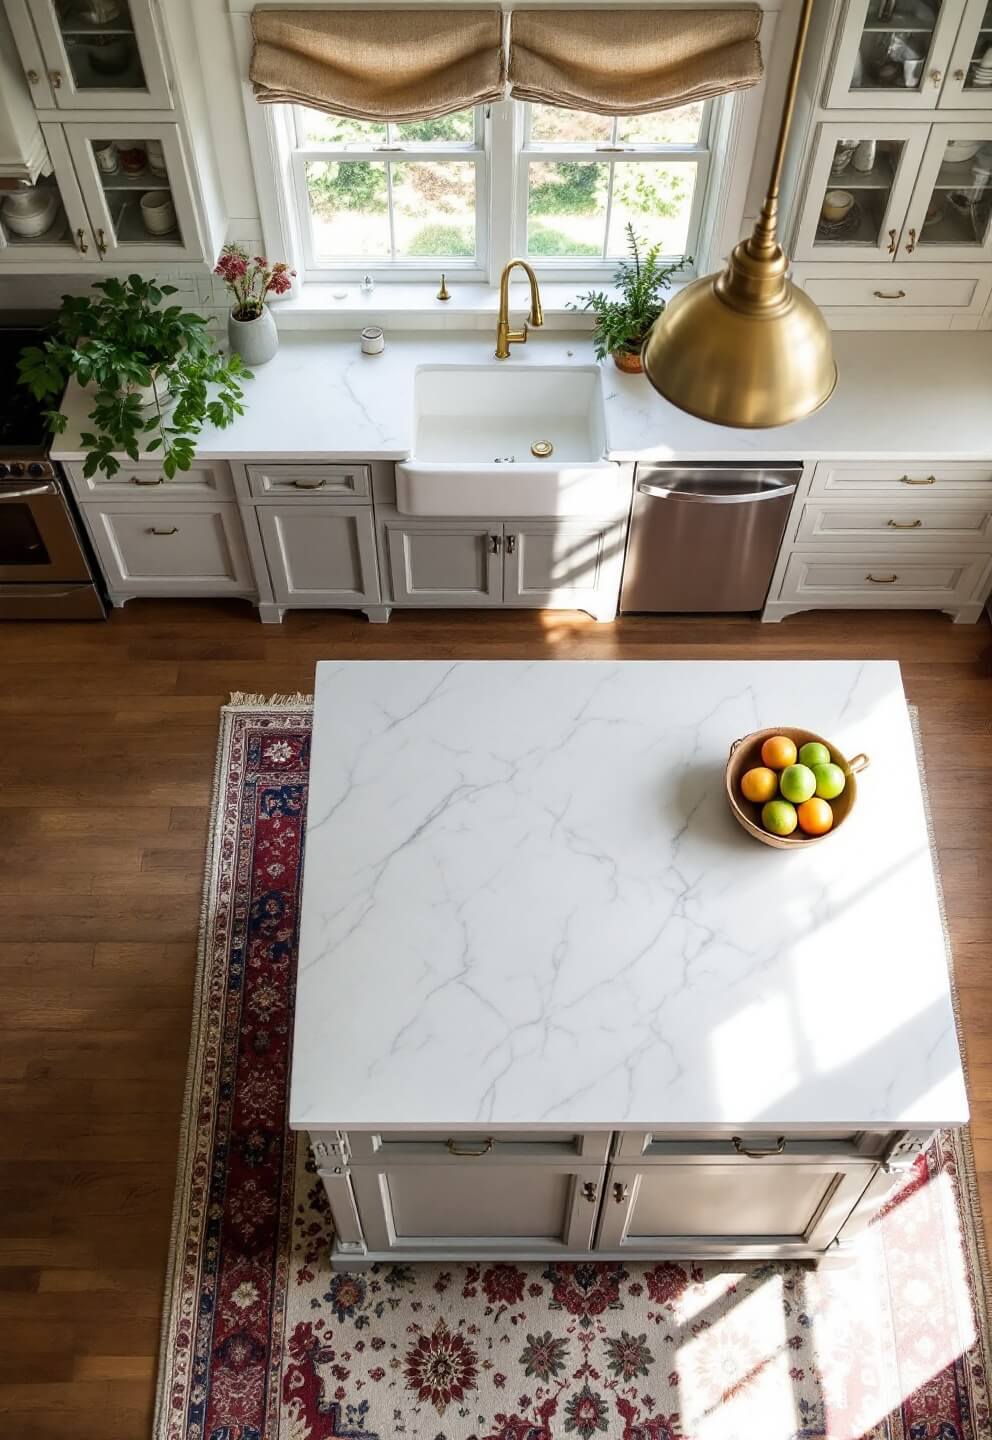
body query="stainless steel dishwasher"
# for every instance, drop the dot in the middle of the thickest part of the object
(705, 537)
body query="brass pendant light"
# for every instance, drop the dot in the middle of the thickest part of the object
(746, 347)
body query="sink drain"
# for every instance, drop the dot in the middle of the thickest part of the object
(541, 448)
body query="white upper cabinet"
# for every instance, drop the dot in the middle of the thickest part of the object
(950, 214)
(91, 54)
(911, 55)
(861, 180)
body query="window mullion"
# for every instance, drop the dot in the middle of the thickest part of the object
(389, 203)
(609, 214)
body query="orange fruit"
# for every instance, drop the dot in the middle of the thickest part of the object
(815, 816)
(759, 784)
(778, 751)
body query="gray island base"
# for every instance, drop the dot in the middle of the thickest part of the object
(552, 1001)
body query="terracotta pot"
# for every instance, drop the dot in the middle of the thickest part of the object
(629, 361)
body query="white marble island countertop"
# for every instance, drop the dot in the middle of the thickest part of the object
(526, 905)
(899, 395)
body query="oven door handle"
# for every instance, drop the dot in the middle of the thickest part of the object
(47, 487)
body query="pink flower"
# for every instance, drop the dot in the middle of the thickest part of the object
(231, 267)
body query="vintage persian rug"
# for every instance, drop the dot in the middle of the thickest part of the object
(261, 1341)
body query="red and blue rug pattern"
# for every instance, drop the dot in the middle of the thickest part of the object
(262, 1341)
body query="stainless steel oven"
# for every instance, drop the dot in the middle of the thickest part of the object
(45, 572)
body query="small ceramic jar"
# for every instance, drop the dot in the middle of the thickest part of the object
(133, 158)
(158, 212)
(373, 340)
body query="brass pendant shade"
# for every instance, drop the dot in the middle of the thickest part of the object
(746, 347)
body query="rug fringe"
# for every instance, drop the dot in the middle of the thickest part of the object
(253, 700)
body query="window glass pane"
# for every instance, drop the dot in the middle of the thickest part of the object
(551, 126)
(349, 208)
(434, 208)
(682, 126)
(657, 197)
(566, 208)
(457, 129)
(316, 128)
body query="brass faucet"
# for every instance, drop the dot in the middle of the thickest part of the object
(505, 337)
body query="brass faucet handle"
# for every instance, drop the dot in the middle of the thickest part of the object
(518, 337)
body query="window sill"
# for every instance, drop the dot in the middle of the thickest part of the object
(412, 306)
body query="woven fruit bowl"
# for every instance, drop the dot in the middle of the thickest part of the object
(745, 754)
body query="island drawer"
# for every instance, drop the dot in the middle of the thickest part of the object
(924, 480)
(946, 292)
(888, 577)
(144, 481)
(833, 522)
(397, 1147)
(704, 1145)
(328, 482)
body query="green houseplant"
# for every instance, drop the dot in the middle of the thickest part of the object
(155, 374)
(623, 321)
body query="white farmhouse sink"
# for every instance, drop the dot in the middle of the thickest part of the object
(474, 427)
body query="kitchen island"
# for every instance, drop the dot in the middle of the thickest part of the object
(553, 1001)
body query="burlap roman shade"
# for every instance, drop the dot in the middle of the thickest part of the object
(630, 62)
(375, 64)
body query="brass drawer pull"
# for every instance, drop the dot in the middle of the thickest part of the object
(589, 1191)
(620, 1191)
(751, 1154)
(310, 484)
(908, 480)
(889, 294)
(455, 1149)
(101, 242)
(904, 524)
(154, 530)
(81, 241)
(911, 242)
(881, 579)
(892, 245)
(141, 480)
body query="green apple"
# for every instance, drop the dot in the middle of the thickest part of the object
(813, 753)
(797, 783)
(830, 781)
(779, 817)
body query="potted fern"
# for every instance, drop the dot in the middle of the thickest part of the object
(623, 321)
(155, 375)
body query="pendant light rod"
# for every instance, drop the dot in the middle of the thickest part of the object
(764, 238)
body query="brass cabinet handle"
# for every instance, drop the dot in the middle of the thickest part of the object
(101, 242)
(154, 530)
(455, 1149)
(889, 294)
(936, 76)
(908, 480)
(143, 480)
(494, 543)
(892, 243)
(589, 1191)
(81, 241)
(904, 524)
(759, 1154)
(959, 75)
(620, 1191)
(511, 544)
(882, 579)
(56, 78)
(911, 242)
(32, 77)
(310, 484)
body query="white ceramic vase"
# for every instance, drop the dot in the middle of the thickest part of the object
(255, 340)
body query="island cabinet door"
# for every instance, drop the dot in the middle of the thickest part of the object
(521, 1210)
(772, 1206)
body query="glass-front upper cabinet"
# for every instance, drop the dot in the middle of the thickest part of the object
(91, 54)
(44, 221)
(969, 81)
(950, 214)
(894, 54)
(861, 180)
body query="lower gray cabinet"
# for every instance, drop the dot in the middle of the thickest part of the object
(425, 1210)
(563, 563)
(445, 562)
(320, 554)
(694, 1206)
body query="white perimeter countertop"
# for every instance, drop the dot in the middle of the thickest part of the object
(899, 394)
(526, 904)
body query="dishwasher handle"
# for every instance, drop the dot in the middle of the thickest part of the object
(717, 497)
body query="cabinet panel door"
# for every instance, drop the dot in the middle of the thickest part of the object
(881, 64)
(534, 1209)
(870, 228)
(163, 547)
(102, 54)
(760, 1206)
(320, 554)
(68, 237)
(960, 91)
(29, 52)
(950, 214)
(561, 563)
(145, 215)
(445, 562)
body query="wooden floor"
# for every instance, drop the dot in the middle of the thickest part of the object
(104, 786)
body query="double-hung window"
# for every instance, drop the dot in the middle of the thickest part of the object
(400, 197)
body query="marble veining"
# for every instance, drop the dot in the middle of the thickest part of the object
(526, 904)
